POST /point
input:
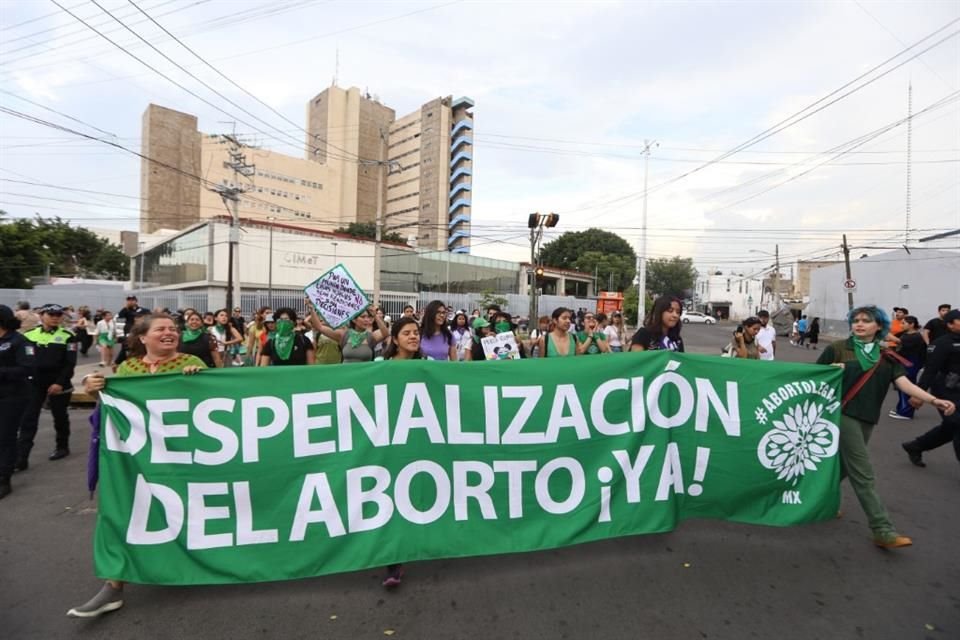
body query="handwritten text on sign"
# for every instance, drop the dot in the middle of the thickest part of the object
(336, 296)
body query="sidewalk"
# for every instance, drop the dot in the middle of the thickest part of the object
(86, 365)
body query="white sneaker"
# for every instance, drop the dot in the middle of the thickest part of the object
(896, 416)
(107, 599)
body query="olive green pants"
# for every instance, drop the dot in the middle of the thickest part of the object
(854, 436)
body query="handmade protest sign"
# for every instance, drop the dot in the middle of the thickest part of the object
(502, 346)
(337, 297)
(288, 472)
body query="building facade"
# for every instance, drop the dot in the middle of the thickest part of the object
(359, 159)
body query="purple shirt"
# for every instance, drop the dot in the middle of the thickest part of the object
(436, 346)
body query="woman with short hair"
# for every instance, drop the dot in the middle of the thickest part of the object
(196, 340)
(868, 370)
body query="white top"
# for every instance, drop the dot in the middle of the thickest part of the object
(765, 338)
(613, 336)
(108, 328)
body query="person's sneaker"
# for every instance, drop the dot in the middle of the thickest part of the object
(107, 599)
(915, 455)
(5, 488)
(896, 416)
(394, 577)
(892, 541)
(59, 454)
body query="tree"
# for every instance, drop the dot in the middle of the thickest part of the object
(630, 306)
(369, 230)
(31, 248)
(671, 276)
(565, 249)
(613, 272)
(490, 297)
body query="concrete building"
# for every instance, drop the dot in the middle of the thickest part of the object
(801, 287)
(919, 280)
(342, 178)
(731, 296)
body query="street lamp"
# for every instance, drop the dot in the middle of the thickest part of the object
(334, 243)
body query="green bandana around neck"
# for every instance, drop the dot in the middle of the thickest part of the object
(189, 335)
(356, 338)
(868, 353)
(283, 339)
(221, 329)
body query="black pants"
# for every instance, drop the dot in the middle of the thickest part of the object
(947, 430)
(85, 341)
(31, 417)
(11, 411)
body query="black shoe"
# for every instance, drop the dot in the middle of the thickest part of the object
(915, 455)
(22, 465)
(5, 489)
(59, 453)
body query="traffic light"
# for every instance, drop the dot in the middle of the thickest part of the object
(538, 273)
(552, 220)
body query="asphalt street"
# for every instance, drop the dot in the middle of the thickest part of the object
(707, 579)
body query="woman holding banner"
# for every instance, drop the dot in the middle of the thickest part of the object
(152, 349)
(357, 342)
(868, 370)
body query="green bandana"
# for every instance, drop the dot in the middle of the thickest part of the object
(356, 338)
(502, 327)
(868, 353)
(189, 335)
(221, 329)
(283, 339)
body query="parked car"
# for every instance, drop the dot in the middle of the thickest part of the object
(696, 317)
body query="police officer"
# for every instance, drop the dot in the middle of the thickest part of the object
(16, 367)
(941, 375)
(56, 357)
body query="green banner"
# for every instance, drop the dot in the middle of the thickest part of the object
(256, 474)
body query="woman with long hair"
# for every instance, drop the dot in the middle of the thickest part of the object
(913, 348)
(436, 340)
(616, 333)
(106, 333)
(560, 341)
(151, 349)
(462, 337)
(813, 334)
(227, 337)
(358, 340)
(404, 341)
(83, 329)
(868, 370)
(196, 340)
(661, 327)
(257, 334)
(286, 345)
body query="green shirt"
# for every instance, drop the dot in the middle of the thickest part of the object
(598, 337)
(137, 367)
(867, 404)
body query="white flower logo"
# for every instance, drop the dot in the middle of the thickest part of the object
(795, 444)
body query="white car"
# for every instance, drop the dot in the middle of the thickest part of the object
(696, 317)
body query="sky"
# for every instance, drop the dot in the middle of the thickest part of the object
(566, 95)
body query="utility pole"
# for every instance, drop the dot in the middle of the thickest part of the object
(269, 269)
(232, 195)
(536, 222)
(846, 260)
(906, 234)
(381, 179)
(642, 258)
(776, 280)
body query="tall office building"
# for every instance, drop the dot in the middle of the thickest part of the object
(358, 157)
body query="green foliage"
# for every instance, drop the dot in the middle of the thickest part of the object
(488, 297)
(670, 276)
(28, 247)
(368, 230)
(566, 250)
(610, 269)
(630, 306)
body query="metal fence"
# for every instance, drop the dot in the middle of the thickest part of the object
(391, 302)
